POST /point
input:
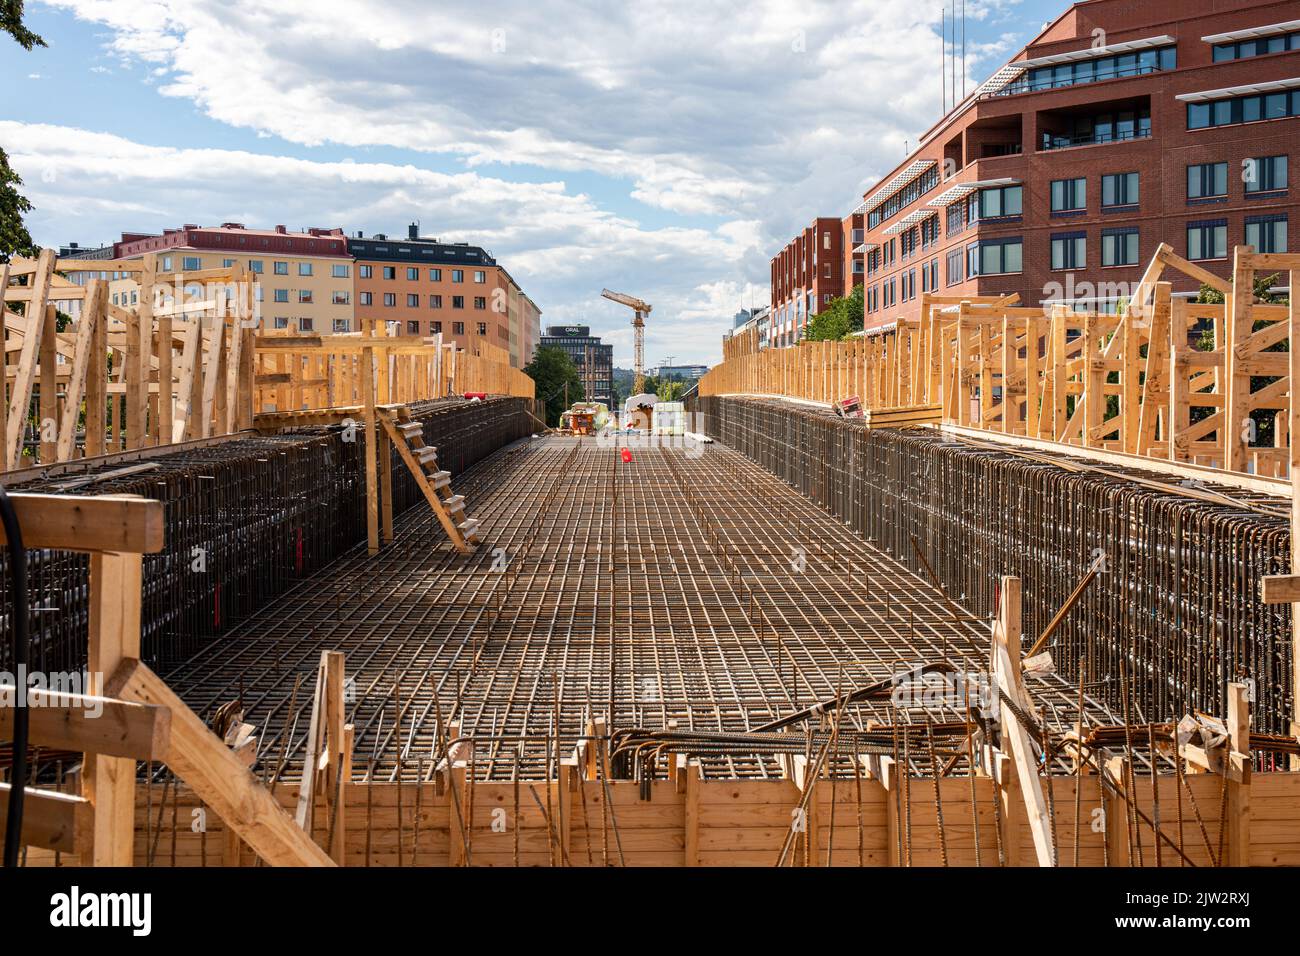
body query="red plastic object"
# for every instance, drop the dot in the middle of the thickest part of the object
(627, 454)
(481, 396)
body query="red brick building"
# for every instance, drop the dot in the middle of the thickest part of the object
(806, 275)
(1124, 124)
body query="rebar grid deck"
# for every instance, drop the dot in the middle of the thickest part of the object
(727, 598)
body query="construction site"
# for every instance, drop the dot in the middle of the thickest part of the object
(1027, 600)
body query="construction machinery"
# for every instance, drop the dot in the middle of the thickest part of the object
(640, 311)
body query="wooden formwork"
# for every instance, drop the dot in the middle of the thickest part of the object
(1165, 378)
(187, 361)
(742, 823)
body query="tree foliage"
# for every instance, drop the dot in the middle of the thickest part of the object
(838, 319)
(551, 369)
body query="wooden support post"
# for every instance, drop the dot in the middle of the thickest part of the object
(1238, 817)
(109, 782)
(1294, 428)
(1015, 738)
(48, 414)
(694, 780)
(372, 440)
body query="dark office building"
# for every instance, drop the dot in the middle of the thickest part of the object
(595, 361)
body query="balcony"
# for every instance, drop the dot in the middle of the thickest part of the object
(1118, 121)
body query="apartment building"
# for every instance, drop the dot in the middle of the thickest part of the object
(1120, 126)
(805, 275)
(303, 279)
(427, 287)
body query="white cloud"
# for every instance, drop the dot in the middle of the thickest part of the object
(560, 246)
(742, 119)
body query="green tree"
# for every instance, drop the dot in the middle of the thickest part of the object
(838, 319)
(670, 390)
(14, 237)
(551, 370)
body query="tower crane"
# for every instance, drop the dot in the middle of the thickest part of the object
(640, 310)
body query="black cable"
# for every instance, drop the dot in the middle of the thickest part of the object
(18, 581)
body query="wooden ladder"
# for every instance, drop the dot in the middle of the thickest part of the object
(408, 435)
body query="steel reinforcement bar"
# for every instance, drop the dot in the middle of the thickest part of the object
(247, 517)
(676, 586)
(1175, 615)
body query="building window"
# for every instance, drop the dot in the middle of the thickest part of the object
(480, 276)
(308, 325)
(1119, 189)
(995, 257)
(412, 273)
(956, 218)
(304, 268)
(996, 203)
(1102, 68)
(1243, 109)
(435, 275)
(1207, 179)
(1069, 195)
(857, 267)
(342, 297)
(457, 275)
(436, 328)
(412, 328)
(342, 325)
(482, 328)
(1278, 43)
(281, 295)
(365, 272)
(282, 268)
(954, 266)
(1119, 247)
(435, 302)
(480, 302)
(458, 302)
(364, 298)
(304, 297)
(1069, 250)
(166, 264)
(1264, 174)
(280, 322)
(227, 263)
(458, 328)
(390, 272)
(191, 263)
(390, 299)
(412, 300)
(255, 266)
(904, 197)
(1208, 239)
(1266, 233)
(340, 271)
(857, 237)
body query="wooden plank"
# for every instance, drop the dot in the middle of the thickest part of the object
(219, 778)
(21, 393)
(92, 314)
(51, 820)
(1006, 665)
(89, 723)
(121, 523)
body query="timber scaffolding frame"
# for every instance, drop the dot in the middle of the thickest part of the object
(190, 360)
(1168, 378)
(477, 730)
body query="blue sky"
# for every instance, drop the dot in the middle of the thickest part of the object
(665, 149)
